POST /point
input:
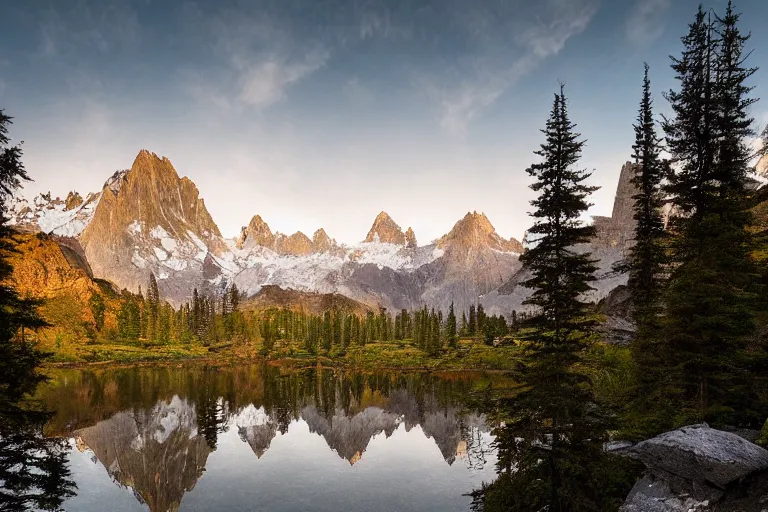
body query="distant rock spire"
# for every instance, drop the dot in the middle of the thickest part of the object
(386, 230)
(410, 238)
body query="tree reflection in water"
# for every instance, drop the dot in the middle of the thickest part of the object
(153, 429)
(33, 468)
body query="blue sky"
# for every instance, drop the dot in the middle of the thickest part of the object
(321, 113)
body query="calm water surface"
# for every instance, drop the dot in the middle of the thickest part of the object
(261, 438)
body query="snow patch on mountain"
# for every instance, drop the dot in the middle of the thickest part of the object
(50, 215)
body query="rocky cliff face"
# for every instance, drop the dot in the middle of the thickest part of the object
(385, 230)
(150, 220)
(618, 229)
(609, 246)
(258, 234)
(762, 166)
(53, 269)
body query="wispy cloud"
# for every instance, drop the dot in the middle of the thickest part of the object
(539, 36)
(264, 80)
(103, 26)
(260, 55)
(646, 20)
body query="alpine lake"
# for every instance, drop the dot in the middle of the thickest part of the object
(196, 437)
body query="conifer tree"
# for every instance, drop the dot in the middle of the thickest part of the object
(20, 357)
(647, 257)
(646, 264)
(33, 468)
(153, 307)
(710, 299)
(552, 435)
(450, 327)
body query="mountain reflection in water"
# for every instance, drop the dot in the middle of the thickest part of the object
(258, 438)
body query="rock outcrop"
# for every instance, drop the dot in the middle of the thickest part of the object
(613, 237)
(618, 229)
(762, 166)
(72, 201)
(271, 296)
(697, 468)
(701, 453)
(258, 234)
(150, 220)
(410, 239)
(385, 230)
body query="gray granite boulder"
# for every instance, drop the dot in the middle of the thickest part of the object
(702, 454)
(652, 494)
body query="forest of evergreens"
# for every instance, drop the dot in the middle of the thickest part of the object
(697, 278)
(700, 353)
(207, 320)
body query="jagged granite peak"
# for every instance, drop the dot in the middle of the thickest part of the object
(385, 230)
(410, 239)
(322, 242)
(618, 229)
(257, 232)
(762, 166)
(148, 218)
(73, 200)
(297, 244)
(475, 230)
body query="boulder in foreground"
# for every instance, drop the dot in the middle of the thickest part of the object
(701, 453)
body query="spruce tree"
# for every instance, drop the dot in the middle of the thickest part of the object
(153, 307)
(710, 299)
(647, 255)
(20, 357)
(450, 327)
(33, 467)
(646, 262)
(550, 445)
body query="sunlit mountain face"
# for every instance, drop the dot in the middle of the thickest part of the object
(203, 438)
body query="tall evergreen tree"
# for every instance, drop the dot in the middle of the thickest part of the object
(647, 256)
(33, 467)
(450, 327)
(152, 309)
(20, 357)
(711, 295)
(647, 264)
(472, 325)
(550, 444)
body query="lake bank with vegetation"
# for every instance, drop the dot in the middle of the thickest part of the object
(468, 355)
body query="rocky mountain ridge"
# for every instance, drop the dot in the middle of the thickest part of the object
(612, 240)
(148, 219)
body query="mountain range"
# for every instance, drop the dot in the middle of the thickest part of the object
(148, 219)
